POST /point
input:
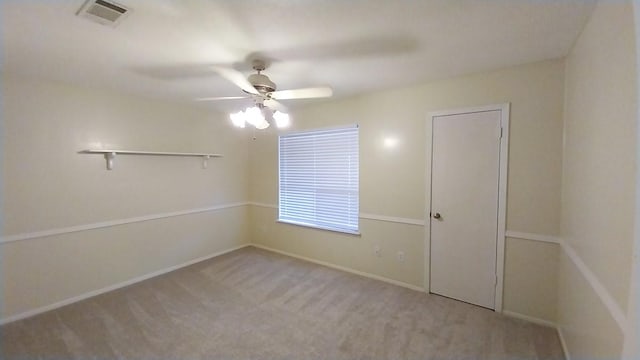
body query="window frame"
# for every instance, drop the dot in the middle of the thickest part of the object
(311, 224)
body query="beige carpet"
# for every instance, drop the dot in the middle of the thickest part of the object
(254, 304)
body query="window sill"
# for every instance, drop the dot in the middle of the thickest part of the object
(347, 232)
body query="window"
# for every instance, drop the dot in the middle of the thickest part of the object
(319, 179)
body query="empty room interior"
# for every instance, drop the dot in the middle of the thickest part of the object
(284, 179)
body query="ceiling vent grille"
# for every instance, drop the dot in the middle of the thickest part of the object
(103, 12)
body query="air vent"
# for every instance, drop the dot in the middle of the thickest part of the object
(103, 12)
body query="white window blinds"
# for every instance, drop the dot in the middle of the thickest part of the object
(319, 179)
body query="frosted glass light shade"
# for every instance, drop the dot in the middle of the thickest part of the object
(282, 119)
(254, 116)
(238, 119)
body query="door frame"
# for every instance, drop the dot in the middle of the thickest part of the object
(505, 109)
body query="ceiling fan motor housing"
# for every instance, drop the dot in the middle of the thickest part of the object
(262, 83)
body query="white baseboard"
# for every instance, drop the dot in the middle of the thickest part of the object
(93, 293)
(565, 349)
(543, 322)
(528, 318)
(342, 268)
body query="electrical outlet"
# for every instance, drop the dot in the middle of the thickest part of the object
(377, 251)
(400, 256)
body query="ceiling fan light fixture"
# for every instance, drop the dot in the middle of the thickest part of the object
(262, 125)
(238, 119)
(254, 116)
(282, 119)
(257, 117)
(263, 92)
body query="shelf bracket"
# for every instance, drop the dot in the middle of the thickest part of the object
(109, 157)
(205, 161)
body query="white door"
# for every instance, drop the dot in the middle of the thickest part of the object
(465, 172)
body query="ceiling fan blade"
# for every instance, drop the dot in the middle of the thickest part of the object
(214, 98)
(235, 77)
(273, 104)
(305, 93)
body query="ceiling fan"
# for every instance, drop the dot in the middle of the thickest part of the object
(264, 94)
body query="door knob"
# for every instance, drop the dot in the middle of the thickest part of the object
(437, 216)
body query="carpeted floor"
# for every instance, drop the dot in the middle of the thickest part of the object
(254, 304)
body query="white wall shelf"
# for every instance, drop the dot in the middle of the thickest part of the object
(110, 155)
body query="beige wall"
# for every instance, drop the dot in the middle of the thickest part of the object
(392, 181)
(48, 185)
(531, 278)
(599, 175)
(587, 327)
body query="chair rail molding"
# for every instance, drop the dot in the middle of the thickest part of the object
(103, 224)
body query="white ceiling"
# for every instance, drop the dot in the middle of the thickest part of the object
(163, 47)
